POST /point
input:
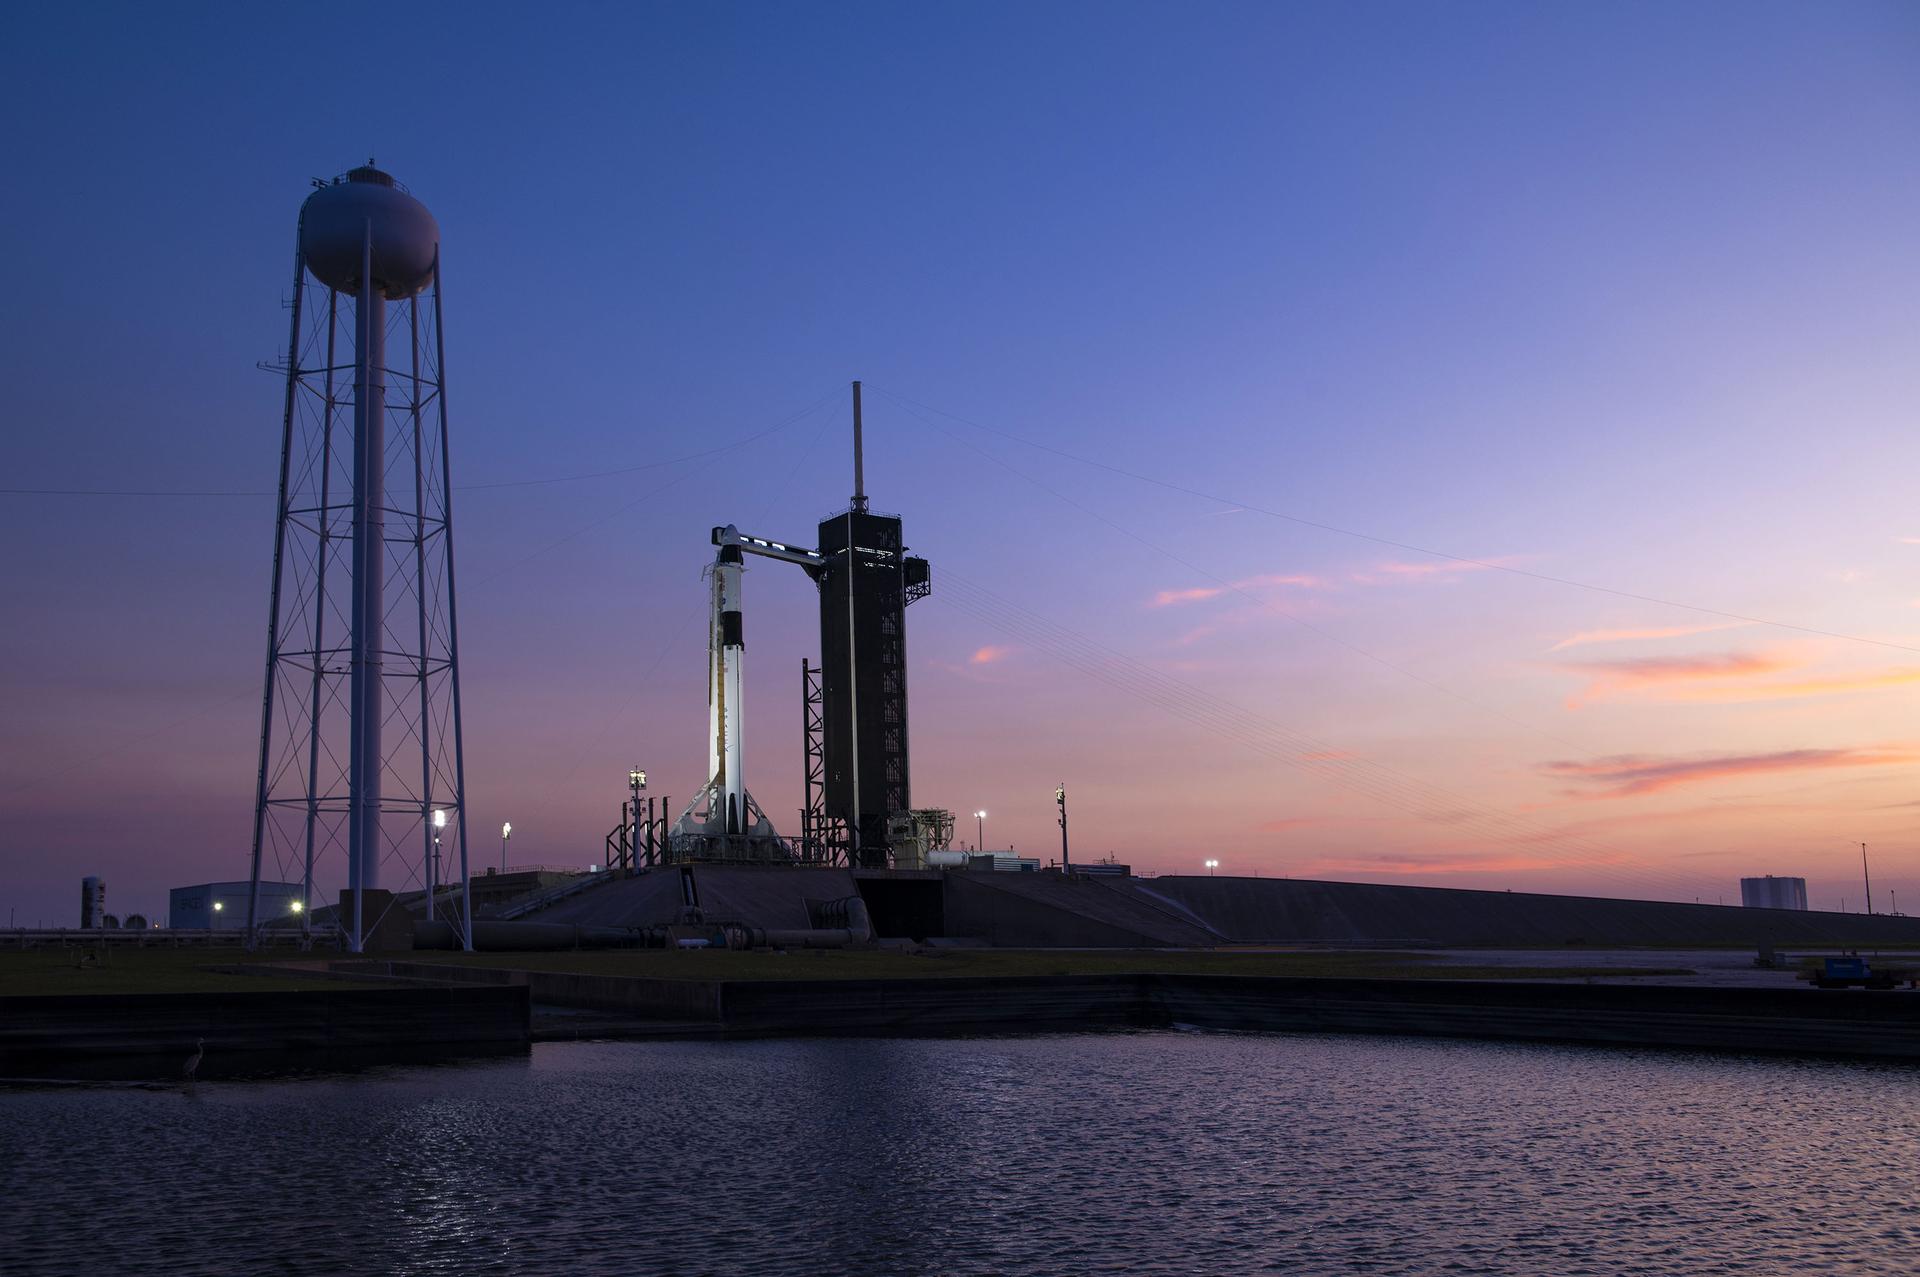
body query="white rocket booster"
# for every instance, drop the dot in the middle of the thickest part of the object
(726, 710)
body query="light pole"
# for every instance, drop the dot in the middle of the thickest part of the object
(637, 778)
(1211, 866)
(506, 832)
(980, 830)
(433, 869)
(1060, 797)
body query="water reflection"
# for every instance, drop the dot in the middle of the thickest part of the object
(1138, 1153)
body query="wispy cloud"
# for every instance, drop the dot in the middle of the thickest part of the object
(1298, 580)
(1427, 569)
(1198, 632)
(1267, 581)
(1801, 688)
(1585, 637)
(1726, 678)
(988, 655)
(1440, 572)
(1639, 672)
(1413, 864)
(1631, 775)
(1198, 594)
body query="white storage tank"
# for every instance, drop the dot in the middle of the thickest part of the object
(93, 903)
(1769, 892)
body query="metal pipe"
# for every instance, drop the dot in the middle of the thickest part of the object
(453, 611)
(328, 407)
(848, 569)
(430, 831)
(369, 581)
(859, 460)
(273, 613)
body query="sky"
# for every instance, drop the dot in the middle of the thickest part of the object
(1458, 444)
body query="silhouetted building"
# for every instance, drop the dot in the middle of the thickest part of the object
(222, 906)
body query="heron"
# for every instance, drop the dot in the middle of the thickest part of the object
(193, 1061)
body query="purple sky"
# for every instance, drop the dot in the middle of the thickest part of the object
(1619, 294)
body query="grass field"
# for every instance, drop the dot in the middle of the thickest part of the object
(661, 964)
(42, 972)
(166, 970)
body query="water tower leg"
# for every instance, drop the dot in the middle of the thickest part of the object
(369, 580)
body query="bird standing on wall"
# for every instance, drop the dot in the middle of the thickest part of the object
(193, 1061)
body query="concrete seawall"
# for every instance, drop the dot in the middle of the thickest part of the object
(151, 1034)
(1795, 1021)
(1798, 1021)
(620, 995)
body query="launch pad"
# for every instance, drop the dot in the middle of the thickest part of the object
(858, 810)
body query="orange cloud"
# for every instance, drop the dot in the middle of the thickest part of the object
(1637, 673)
(1805, 687)
(1622, 636)
(1706, 679)
(988, 655)
(1630, 775)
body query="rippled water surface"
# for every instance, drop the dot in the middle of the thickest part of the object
(1122, 1153)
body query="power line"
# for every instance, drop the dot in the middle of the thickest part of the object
(1265, 605)
(1258, 734)
(1488, 564)
(458, 487)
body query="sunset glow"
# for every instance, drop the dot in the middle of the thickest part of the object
(1435, 444)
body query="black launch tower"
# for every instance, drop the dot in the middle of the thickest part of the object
(866, 582)
(858, 781)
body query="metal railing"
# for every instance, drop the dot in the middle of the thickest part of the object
(560, 891)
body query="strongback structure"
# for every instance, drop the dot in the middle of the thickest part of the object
(858, 787)
(866, 582)
(362, 780)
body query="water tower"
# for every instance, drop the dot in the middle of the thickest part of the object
(360, 725)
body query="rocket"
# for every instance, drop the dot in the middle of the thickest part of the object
(726, 657)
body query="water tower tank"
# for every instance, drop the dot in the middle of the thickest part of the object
(333, 226)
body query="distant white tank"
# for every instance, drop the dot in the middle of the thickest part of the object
(333, 229)
(93, 903)
(1770, 892)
